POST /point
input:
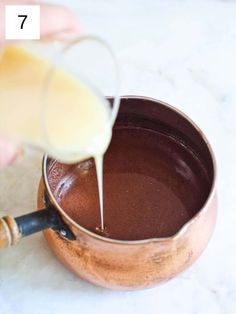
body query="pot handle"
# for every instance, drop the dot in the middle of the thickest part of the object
(13, 229)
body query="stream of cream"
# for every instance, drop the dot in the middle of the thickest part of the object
(99, 168)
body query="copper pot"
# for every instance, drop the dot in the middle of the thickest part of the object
(120, 264)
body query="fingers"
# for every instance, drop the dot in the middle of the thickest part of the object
(58, 22)
(9, 152)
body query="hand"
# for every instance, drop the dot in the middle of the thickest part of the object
(57, 22)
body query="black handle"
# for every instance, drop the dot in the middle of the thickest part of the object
(41, 220)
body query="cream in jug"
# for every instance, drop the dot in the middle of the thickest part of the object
(71, 122)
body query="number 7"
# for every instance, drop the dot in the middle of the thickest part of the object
(24, 18)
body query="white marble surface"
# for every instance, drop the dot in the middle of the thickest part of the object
(182, 52)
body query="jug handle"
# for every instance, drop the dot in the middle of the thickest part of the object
(13, 229)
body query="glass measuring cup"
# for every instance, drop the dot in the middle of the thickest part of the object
(28, 98)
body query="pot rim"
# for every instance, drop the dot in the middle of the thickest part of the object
(185, 227)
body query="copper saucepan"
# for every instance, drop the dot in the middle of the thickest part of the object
(120, 264)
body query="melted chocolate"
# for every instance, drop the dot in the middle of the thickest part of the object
(153, 184)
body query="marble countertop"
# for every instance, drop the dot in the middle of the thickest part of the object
(182, 52)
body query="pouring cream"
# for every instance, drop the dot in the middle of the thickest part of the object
(71, 123)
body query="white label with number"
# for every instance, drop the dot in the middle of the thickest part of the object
(22, 22)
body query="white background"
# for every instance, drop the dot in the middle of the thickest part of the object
(182, 52)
